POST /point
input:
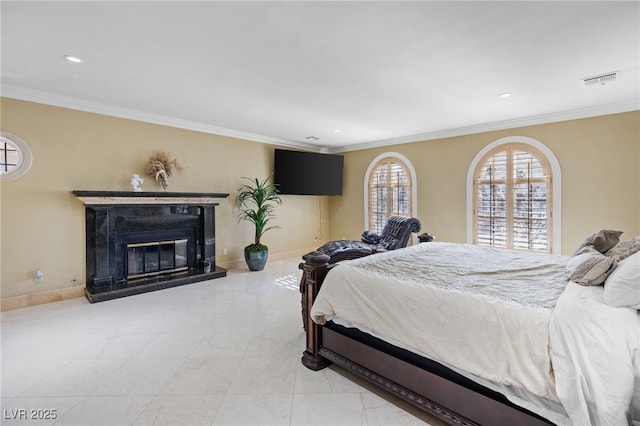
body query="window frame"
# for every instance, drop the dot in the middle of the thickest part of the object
(25, 156)
(555, 186)
(413, 187)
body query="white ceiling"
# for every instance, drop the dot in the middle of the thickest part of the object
(381, 72)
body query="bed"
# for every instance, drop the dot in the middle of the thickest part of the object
(478, 335)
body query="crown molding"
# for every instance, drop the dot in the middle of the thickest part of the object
(21, 93)
(575, 114)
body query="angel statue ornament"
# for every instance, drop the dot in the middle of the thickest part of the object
(136, 181)
(161, 167)
(161, 174)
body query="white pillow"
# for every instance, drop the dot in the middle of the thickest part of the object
(589, 267)
(622, 287)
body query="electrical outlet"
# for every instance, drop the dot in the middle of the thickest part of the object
(74, 280)
(38, 276)
(315, 239)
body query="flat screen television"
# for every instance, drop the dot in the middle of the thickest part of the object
(308, 173)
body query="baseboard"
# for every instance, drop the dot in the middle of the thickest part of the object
(240, 264)
(40, 298)
(57, 295)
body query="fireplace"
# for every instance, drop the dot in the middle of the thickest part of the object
(148, 254)
(156, 257)
(138, 242)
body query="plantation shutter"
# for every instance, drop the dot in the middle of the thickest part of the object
(389, 192)
(512, 205)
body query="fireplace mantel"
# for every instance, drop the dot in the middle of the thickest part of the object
(105, 198)
(114, 219)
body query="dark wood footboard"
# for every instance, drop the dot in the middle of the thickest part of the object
(419, 381)
(314, 270)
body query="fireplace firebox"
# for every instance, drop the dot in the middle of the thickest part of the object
(148, 254)
(156, 257)
(138, 242)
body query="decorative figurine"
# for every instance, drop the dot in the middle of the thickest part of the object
(161, 174)
(161, 167)
(136, 180)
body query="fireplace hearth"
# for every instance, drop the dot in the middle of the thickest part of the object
(138, 242)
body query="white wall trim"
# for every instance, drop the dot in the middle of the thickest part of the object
(554, 117)
(17, 92)
(14, 92)
(414, 184)
(556, 185)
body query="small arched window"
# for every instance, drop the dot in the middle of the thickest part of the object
(513, 198)
(15, 156)
(389, 190)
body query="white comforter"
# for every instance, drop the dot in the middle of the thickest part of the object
(484, 312)
(596, 357)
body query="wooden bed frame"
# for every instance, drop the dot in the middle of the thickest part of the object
(424, 383)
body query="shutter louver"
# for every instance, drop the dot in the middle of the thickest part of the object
(512, 200)
(389, 193)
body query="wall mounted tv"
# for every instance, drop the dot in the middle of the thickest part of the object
(308, 173)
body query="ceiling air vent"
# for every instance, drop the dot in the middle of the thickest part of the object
(601, 79)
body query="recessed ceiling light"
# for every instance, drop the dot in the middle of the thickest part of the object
(505, 94)
(73, 59)
(312, 138)
(336, 130)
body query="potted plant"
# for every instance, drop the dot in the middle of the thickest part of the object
(255, 202)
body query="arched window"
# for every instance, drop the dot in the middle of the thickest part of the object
(389, 190)
(513, 195)
(15, 156)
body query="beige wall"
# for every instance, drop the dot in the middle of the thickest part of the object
(42, 223)
(599, 159)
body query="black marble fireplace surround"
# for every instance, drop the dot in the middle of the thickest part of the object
(115, 219)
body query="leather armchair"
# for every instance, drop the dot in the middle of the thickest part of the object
(395, 235)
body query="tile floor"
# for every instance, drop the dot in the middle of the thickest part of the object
(219, 352)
